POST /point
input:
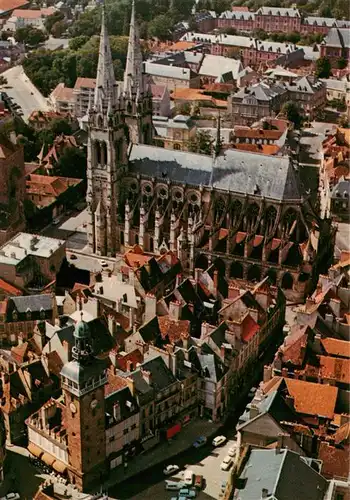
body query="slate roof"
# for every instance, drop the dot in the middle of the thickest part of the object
(320, 21)
(274, 404)
(161, 378)
(237, 14)
(235, 171)
(33, 302)
(127, 404)
(261, 91)
(284, 474)
(217, 65)
(338, 37)
(278, 11)
(213, 368)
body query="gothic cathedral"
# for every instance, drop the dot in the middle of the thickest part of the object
(117, 117)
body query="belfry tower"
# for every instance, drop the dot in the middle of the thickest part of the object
(116, 117)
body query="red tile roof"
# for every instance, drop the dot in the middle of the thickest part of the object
(158, 91)
(9, 289)
(293, 350)
(249, 328)
(173, 328)
(89, 83)
(334, 368)
(33, 14)
(7, 5)
(136, 258)
(114, 383)
(54, 362)
(133, 357)
(309, 398)
(312, 399)
(337, 348)
(256, 133)
(335, 460)
(62, 93)
(343, 434)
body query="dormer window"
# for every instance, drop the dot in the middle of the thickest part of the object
(14, 315)
(42, 313)
(28, 314)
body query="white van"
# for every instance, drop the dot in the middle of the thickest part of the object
(174, 486)
(226, 463)
(188, 477)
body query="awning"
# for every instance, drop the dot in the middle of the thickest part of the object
(240, 236)
(48, 459)
(35, 450)
(59, 466)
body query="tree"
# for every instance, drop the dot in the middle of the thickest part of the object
(342, 63)
(160, 27)
(291, 112)
(201, 143)
(61, 126)
(59, 28)
(50, 21)
(323, 68)
(30, 36)
(72, 163)
(78, 42)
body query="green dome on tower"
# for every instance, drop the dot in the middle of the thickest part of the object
(82, 330)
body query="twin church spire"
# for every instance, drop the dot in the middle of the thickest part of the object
(107, 92)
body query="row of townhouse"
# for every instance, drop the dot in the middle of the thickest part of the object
(269, 19)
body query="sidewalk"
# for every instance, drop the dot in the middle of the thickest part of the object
(164, 451)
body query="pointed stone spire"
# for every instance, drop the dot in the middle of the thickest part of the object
(105, 80)
(133, 76)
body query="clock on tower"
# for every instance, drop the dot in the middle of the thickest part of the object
(83, 381)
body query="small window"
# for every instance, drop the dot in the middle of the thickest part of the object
(125, 431)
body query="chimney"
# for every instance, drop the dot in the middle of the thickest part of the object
(54, 308)
(112, 325)
(329, 320)
(13, 137)
(344, 418)
(253, 411)
(20, 338)
(150, 306)
(39, 334)
(216, 281)
(67, 351)
(116, 412)
(335, 306)
(280, 442)
(316, 345)
(197, 274)
(113, 357)
(147, 376)
(130, 366)
(264, 493)
(284, 372)
(267, 373)
(131, 385)
(175, 309)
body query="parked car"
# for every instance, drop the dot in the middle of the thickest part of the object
(198, 482)
(232, 451)
(171, 469)
(73, 256)
(226, 463)
(103, 263)
(188, 493)
(200, 442)
(174, 485)
(11, 496)
(219, 440)
(188, 477)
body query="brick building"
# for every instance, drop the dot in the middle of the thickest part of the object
(336, 45)
(12, 188)
(29, 261)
